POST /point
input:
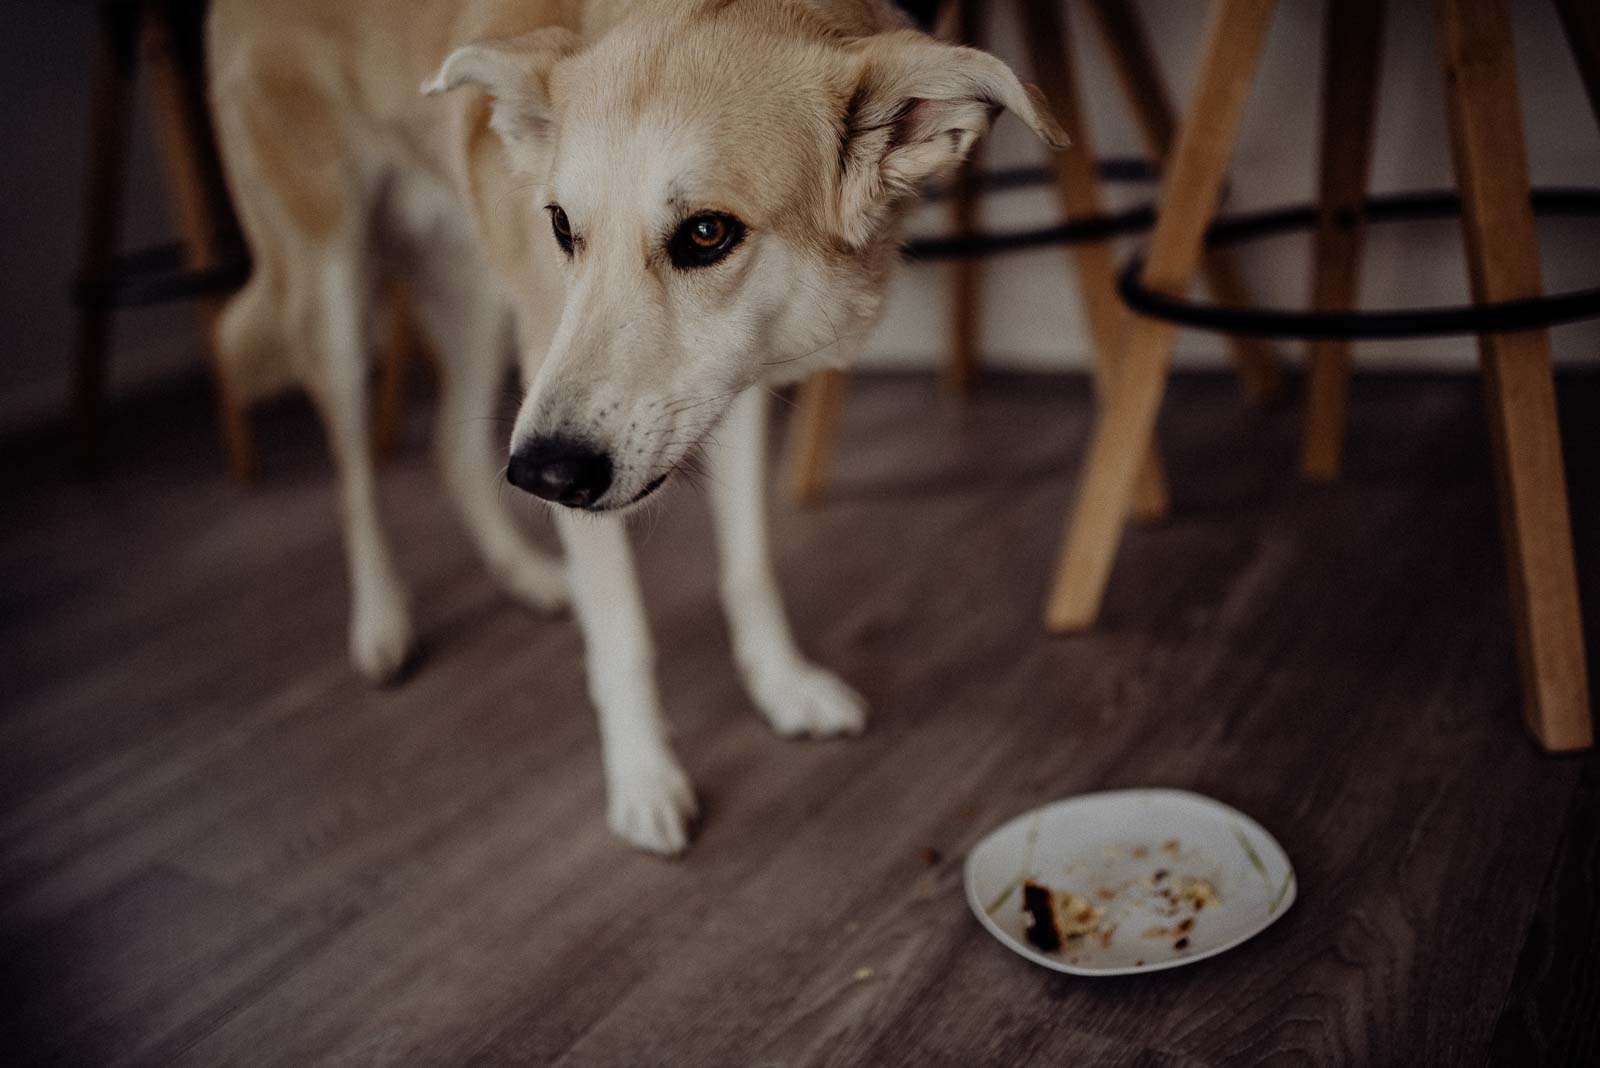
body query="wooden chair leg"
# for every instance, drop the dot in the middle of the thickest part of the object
(115, 64)
(1352, 45)
(1124, 427)
(1045, 29)
(961, 363)
(177, 97)
(811, 434)
(401, 343)
(1134, 62)
(1502, 253)
(1581, 20)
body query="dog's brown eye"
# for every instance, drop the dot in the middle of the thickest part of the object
(704, 239)
(561, 227)
(707, 232)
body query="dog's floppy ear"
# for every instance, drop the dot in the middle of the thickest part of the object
(516, 72)
(916, 110)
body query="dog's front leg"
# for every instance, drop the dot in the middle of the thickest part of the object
(649, 801)
(797, 696)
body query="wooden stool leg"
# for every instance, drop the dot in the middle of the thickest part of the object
(177, 97)
(1502, 252)
(1134, 63)
(1352, 44)
(961, 363)
(811, 433)
(401, 342)
(1044, 26)
(115, 61)
(1124, 427)
(1581, 20)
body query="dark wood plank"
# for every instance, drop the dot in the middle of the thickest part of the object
(133, 975)
(228, 851)
(1552, 1014)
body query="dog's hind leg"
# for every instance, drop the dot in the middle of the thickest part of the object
(797, 696)
(649, 801)
(305, 212)
(380, 614)
(469, 326)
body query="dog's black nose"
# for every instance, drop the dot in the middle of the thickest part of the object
(563, 470)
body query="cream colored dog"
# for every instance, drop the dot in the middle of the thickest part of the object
(663, 208)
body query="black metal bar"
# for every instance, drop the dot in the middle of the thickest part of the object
(1524, 314)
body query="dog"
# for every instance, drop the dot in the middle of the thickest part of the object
(662, 209)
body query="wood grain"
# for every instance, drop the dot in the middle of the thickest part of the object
(1352, 57)
(1581, 22)
(402, 346)
(195, 188)
(1125, 427)
(968, 26)
(105, 170)
(811, 435)
(218, 847)
(1491, 163)
(1134, 64)
(1552, 1014)
(1044, 28)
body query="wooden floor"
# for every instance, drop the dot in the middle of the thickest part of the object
(218, 847)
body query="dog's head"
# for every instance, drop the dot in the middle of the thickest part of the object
(719, 192)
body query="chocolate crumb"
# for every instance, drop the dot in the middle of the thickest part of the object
(1182, 943)
(1161, 873)
(1041, 930)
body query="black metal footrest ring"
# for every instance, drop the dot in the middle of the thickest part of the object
(1526, 314)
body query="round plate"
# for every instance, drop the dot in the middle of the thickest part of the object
(1176, 878)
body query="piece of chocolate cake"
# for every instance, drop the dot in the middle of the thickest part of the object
(1039, 904)
(1057, 918)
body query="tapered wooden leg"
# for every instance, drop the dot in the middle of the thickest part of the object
(111, 94)
(961, 362)
(1502, 254)
(1123, 427)
(1134, 63)
(1581, 20)
(811, 433)
(1045, 30)
(401, 343)
(1352, 45)
(176, 97)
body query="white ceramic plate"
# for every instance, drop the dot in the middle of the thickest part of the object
(1179, 878)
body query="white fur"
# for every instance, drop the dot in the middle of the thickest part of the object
(796, 696)
(814, 123)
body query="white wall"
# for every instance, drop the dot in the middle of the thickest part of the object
(1030, 317)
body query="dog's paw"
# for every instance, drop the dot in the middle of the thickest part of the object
(650, 804)
(537, 582)
(380, 638)
(806, 701)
